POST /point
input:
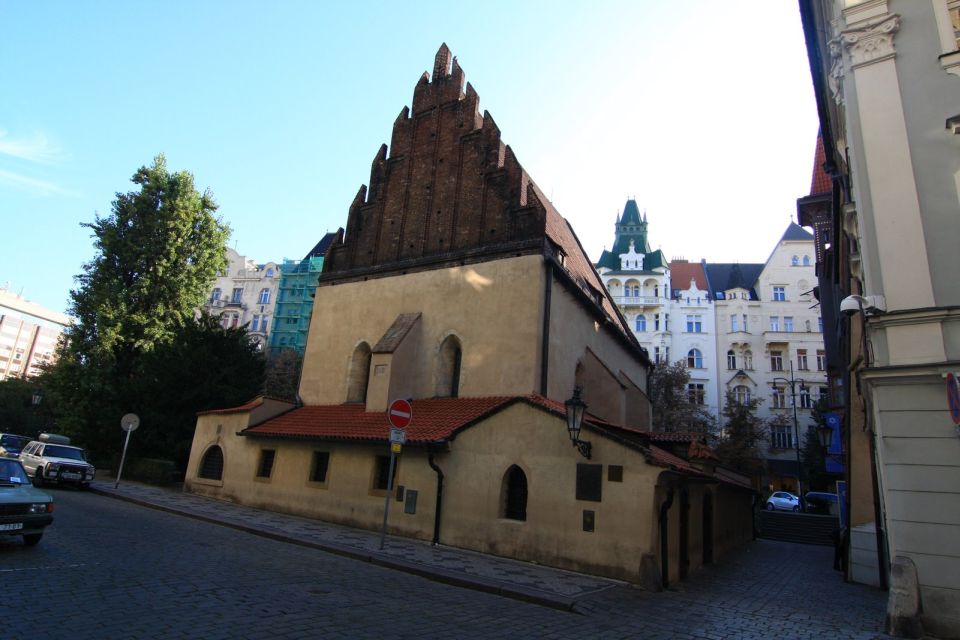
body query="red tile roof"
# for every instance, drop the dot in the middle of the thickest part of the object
(682, 272)
(249, 406)
(433, 419)
(821, 182)
(674, 436)
(658, 456)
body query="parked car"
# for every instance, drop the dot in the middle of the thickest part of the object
(821, 502)
(53, 459)
(24, 510)
(783, 501)
(11, 445)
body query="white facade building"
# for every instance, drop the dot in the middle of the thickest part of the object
(245, 294)
(770, 343)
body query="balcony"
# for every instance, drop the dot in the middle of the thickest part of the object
(639, 301)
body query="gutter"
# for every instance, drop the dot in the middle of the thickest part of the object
(439, 503)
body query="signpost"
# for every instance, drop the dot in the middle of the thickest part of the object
(128, 423)
(400, 413)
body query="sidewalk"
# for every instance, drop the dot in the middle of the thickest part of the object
(533, 583)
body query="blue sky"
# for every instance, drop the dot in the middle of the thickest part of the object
(703, 111)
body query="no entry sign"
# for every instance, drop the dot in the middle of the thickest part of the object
(400, 413)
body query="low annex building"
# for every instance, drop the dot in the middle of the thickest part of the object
(457, 285)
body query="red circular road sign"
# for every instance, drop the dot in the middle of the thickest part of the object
(400, 413)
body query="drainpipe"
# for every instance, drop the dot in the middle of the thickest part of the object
(664, 541)
(545, 333)
(436, 513)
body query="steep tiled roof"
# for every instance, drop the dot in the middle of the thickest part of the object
(682, 272)
(433, 420)
(631, 213)
(578, 265)
(723, 276)
(663, 458)
(396, 333)
(820, 183)
(247, 406)
(796, 232)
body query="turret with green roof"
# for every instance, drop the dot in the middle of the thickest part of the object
(631, 229)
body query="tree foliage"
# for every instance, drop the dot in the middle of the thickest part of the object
(18, 413)
(672, 408)
(743, 431)
(156, 255)
(283, 374)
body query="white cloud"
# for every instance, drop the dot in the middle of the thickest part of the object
(36, 148)
(32, 184)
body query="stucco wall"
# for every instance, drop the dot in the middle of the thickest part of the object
(552, 534)
(494, 308)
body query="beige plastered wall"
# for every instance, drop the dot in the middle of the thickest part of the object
(494, 308)
(572, 332)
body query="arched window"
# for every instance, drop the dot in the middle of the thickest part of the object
(264, 296)
(748, 360)
(448, 368)
(806, 261)
(694, 359)
(514, 494)
(795, 261)
(359, 374)
(270, 272)
(211, 465)
(731, 359)
(741, 394)
(641, 322)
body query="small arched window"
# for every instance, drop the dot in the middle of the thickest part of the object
(449, 360)
(641, 322)
(806, 261)
(694, 359)
(264, 296)
(731, 359)
(795, 261)
(270, 272)
(211, 465)
(741, 394)
(748, 360)
(359, 373)
(514, 494)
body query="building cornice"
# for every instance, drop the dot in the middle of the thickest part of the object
(871, 40)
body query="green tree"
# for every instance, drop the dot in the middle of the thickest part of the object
(205, 367)
(18, 413)
(156, 255)
(283, 374)
(743, 431)
(812, 456)
(673, 408)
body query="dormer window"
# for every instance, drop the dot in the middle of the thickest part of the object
(631, 260)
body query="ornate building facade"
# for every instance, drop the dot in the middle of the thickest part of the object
(245, 294)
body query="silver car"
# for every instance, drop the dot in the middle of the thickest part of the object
(52, 459)
(783, 501)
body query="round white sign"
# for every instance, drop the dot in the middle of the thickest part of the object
(130, 422)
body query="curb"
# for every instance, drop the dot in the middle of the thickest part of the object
(435, 574)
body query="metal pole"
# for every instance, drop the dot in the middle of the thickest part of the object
(386, 500)
(796, 431)
(122, 458)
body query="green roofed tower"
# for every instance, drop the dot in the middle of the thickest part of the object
(630, 239)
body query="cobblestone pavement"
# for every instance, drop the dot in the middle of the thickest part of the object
(112, 569)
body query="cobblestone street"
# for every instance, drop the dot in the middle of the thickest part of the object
(112, 569)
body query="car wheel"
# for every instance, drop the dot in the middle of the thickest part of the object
(796, 508)
(31, 539)
(770, 506)
(38, 476)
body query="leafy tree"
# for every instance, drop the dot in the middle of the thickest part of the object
(812, 456)
(672, 408)
(156, 255)
(205, 367)
(18, 413)
(743, 431)
(283, 374)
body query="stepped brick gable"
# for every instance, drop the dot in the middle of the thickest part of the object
(449, 188)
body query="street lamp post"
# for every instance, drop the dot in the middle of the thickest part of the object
(796, 426)
(35, 401)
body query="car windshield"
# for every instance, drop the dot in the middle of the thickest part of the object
(11, 472)
(13, 442)
(57, 451)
